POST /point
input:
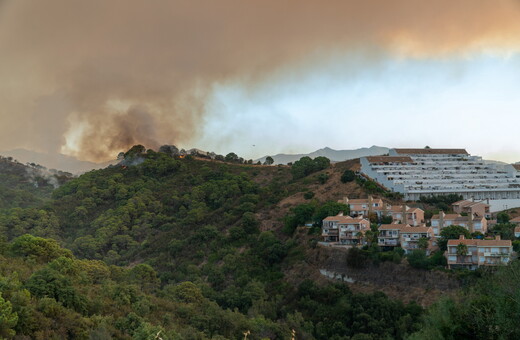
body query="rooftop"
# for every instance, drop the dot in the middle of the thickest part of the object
(416, 230)
(466, 203)
(393, 226)
(515, 220)
(481, 243)
(344, 219)
(389, 159)
(446, 217)
(431, 151)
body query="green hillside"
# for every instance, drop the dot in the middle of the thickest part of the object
(26, 185)
(170, 248)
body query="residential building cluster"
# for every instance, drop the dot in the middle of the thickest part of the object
(425, 172)
(406, 227)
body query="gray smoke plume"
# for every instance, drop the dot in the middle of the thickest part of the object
(91, 78)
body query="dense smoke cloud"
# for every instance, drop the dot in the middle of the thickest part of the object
(92, 78)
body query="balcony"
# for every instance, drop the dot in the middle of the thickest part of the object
(389, 243)
(492, 254)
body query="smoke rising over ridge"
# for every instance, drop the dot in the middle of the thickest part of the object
(99, 76)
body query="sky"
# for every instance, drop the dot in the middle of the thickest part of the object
(92, 78)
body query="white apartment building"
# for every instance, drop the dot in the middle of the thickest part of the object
(424, 172)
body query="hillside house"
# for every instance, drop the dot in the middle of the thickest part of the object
(344, 229)
(365, 206)
(472, 223)
(471, 208)
(473, 253)
(410, 236)
(405, 215)
(515, 220)
(389, 234)
(517, 232)
(404, 236)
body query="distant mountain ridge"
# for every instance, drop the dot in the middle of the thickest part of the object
(333, 155)
(54, 161)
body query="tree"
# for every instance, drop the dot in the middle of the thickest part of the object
(170, 150)
(306, 166)
(348, 176)
(452, 232)
(269, 160)
(387, 219)
(302, 167)
(329, 208)
(462, 251)
(270, 248)
(8, 319)
(135, 151)
(503, 217)
(418, 259)
(423, 243)
(41, 249)
(321, 163)
(371, 236)
(505, 230)
(231, 157)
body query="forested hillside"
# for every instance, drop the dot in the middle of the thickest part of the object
(162, 247)
(24, 185)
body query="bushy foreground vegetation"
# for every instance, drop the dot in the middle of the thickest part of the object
(487, 310)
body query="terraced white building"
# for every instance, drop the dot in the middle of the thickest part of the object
(424, 172)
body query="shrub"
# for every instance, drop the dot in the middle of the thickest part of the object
(348, 176)
(356, 258)
(308, 195)
(322, 178)
(418, 259)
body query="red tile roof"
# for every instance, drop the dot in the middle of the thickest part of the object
(412, 230)
(392, 226)
(481, 243)
(446, 217)
(344, 219)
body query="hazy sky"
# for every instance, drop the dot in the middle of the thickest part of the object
(92, 78)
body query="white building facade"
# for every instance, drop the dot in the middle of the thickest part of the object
(425, 172)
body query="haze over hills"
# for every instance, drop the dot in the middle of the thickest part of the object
(54, 161)
(333, 155)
